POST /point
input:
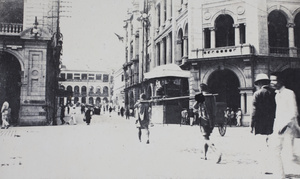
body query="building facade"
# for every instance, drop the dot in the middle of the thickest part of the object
(222, 43)
(86, 87)
(29, 54)
(118, 88)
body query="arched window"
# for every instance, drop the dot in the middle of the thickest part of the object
(278, 33)
(83, 90)
(91, 100)
(297, 31)
(83, 100)
(98, 90)
(76, 89)
(224, 31)
(69, 88)
(105, 90)
(180, 44)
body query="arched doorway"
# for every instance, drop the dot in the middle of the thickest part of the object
(10, 84)
(225, 83)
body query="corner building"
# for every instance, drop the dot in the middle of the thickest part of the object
(28, 58)
(222, 43)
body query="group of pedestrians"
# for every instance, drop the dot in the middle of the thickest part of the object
(274, 117)
(233, 117)
(72, 111)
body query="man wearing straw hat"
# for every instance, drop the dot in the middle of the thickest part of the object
(263, 115)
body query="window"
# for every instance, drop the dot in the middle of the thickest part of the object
(242, 34)
(98, 76)
(63, 76)
(105, 78)
(76, 76)
(206, 38)
(84, 76)
(91, 76)
(69, 76)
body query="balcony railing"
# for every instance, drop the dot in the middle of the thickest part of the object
(10, 28)
(228, 51)
(285, 51)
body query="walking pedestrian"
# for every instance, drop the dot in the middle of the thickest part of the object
(239, 117)
(73, 115)
(88, 115)
(263, 115)
(285, 118)
(82, 108)
(62, 114)
(206, 106)
(110, 110)
(122, 111)
(4, 111)
(143, 116)
(127, 113)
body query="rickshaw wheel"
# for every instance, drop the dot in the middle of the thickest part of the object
(222, 129)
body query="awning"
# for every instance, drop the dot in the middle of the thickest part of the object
(169, 70)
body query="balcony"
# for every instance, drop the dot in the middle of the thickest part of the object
(11, 29)
(284, 51)
(228, 51)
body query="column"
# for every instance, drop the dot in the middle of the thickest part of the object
(162, 15)
(169, 8)
(185, 46)
(157, 60)
(212, 37)
(246, 104)
(162, 53)
(236, 34)
(169, 50)
(293, 49)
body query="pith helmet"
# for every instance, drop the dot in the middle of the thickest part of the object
(261, 77)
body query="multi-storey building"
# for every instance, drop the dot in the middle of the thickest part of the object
(118, 88)
(87, 87)
(222, 43)
(30, 50)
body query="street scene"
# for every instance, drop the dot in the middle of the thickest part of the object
(109, 148)
(150, 89)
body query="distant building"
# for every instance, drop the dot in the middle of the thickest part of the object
(118, 89)
(86, 87)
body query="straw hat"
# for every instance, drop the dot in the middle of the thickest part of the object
(261, 77)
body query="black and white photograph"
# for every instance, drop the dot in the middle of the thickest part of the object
(150, 89)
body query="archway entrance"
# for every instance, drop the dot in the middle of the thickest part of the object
(225, 83)
(10, 84)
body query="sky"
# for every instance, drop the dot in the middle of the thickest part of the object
(89, 40)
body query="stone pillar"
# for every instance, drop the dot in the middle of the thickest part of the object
(162, 15)
(236, 34)
(169, 8)
(162, 52)
(293, 49)
(169, 49)
(157, 60)
(212, 37)
(246, 104)
(185, 46)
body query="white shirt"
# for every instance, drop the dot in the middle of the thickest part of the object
(286, 108)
